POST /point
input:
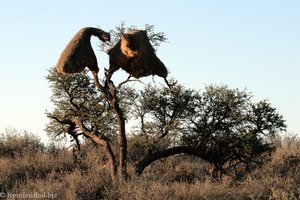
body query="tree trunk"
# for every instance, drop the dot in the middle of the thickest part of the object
(122, 141)
(102, 142)
(111, 159)
(110, 92)
(141, 165)
(216, 172)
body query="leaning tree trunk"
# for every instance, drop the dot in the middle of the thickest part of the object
(102, 142)
(141, 165)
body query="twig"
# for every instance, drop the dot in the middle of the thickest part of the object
(128, 80)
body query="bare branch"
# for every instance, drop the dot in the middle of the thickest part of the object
(128, 80)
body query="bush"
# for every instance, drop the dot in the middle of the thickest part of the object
(18, 143)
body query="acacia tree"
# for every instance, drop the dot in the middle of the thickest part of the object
(82, 107)
(231, 129)
(80, 110)
(220, 125)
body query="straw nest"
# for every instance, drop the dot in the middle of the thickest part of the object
(135, 54)
(79, 53)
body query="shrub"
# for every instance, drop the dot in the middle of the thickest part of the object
(18, 143)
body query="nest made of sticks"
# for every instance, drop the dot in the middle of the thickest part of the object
(79, 53)
(135, 54)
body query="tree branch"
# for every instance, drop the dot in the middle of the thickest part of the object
(141, 165)
(71, 129)
(99, 140)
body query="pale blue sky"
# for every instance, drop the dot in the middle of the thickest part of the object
(245, 44)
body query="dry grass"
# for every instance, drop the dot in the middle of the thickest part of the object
(178, 177)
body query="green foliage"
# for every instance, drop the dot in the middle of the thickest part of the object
(74, 95)
(156, 38)
(225, 123)
(161, 112)
(222, 122)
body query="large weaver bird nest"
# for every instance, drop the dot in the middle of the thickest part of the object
(79, 53)
(135, 54)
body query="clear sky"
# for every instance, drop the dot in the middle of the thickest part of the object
(253, 44)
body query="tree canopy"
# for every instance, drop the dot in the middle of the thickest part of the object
(220, 125)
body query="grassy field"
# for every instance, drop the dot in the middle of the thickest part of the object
(28, 167)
